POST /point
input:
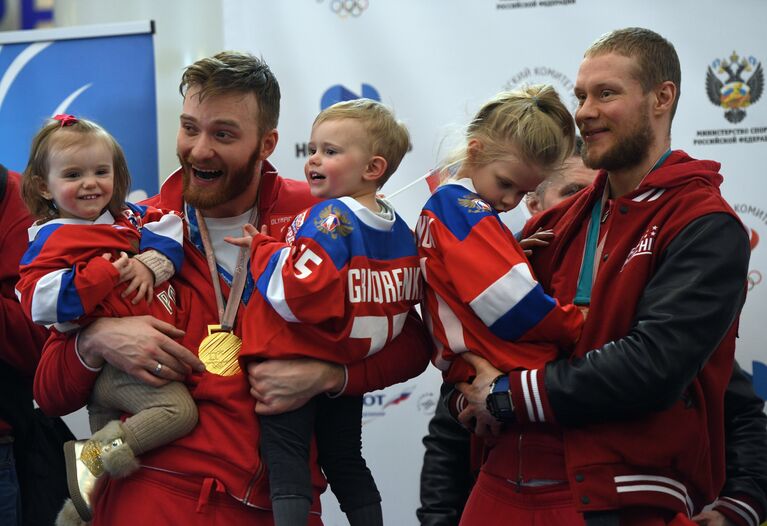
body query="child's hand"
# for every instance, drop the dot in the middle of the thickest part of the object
(122, 264)
(248, 231)
(141, 280)
(540, 238)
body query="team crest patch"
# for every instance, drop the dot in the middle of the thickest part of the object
(333, 222)
(290, 235)
(130, 216)
(474, 204)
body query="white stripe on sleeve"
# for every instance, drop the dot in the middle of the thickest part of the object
(741, 508)
(526, 394)
(169, 226)
(451, 325)
(537, 395)
(45, 300)
(275, 292)
(504, 294)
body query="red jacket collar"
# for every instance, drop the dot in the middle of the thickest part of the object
(677, 170)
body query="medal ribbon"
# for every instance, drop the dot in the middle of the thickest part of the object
(226, 314)
(220, 349)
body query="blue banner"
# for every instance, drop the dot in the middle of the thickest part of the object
(108, 79)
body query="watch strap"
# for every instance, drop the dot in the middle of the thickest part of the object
(500, 384)
(499, 402)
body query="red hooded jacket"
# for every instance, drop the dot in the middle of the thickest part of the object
(640, 404)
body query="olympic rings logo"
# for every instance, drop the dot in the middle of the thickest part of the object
(754, 279)
(344, 8)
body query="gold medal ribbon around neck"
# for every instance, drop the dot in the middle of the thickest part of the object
(221, 347)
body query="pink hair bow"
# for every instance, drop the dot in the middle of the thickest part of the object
(65, 119)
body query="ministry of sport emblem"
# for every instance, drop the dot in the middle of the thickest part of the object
(727, 87)
(474, 204)
(333, 222)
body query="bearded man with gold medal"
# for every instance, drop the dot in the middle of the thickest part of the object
(227, 132)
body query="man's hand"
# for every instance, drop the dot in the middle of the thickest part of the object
(711, 518)
(136, 344)
(540, 238)
(284, 385)
(476, 417)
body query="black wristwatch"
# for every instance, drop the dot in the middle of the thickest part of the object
(499, 402)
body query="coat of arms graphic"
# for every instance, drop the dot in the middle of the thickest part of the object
(734, 93)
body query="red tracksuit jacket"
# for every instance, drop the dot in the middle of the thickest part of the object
(21, 341)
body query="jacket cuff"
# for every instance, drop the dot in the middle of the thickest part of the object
(528, 392)
(356, 379)
(104, 271)
(456, 403)
(343, 388)
(80, 356)
(741, 510)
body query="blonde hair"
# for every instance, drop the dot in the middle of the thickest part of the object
(531, 119)
(54, 134)
(386, 136)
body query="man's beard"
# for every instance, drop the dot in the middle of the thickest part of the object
(627, 152)
(236, 183)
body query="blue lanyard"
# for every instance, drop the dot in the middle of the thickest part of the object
(585, 280)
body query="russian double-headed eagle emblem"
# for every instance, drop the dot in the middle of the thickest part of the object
(334, 222)
(474, 204)
(735, 93)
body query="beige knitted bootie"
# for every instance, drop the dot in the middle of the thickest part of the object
(87, 460)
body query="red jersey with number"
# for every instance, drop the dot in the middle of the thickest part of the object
(338, 291)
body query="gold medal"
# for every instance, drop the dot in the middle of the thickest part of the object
(221, 348)
(219, 351)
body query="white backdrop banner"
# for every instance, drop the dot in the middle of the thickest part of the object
(435, 61)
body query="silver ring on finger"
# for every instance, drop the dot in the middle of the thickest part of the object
(157, 369)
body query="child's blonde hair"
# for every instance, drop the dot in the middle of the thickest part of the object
(532, 119)
(65, 132)
(387, 136)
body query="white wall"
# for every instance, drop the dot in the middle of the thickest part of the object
(186, 30)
